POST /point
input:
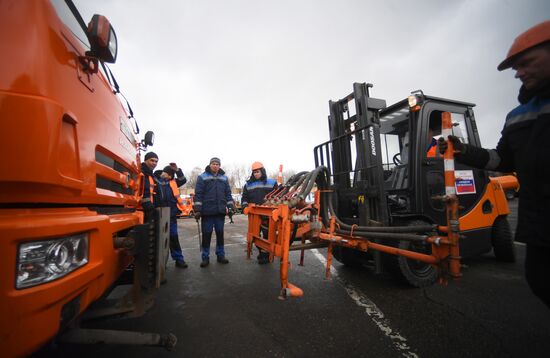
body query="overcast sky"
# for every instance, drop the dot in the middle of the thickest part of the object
(249, 80)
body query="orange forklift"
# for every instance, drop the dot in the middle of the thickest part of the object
(387, 198)
(71, 226)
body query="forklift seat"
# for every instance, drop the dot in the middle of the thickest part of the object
(398, 178)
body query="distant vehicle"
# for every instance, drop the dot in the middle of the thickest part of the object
(237, 198)
(187, 207)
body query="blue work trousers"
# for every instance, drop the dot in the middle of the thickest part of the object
(211, 223)
(175, 248)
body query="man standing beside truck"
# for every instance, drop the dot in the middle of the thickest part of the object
(524, 148)
(149, 183)
(170, 192)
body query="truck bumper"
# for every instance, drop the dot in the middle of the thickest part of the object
(31, 316)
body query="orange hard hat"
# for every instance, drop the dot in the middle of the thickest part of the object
(536, 35)
(257, 165)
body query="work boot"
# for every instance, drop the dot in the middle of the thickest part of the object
(181, 264)
(205, 262)
(222, 260)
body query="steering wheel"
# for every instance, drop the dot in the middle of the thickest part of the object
(397, 159)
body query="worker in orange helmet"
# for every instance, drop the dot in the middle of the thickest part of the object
(524, 148)
(254, 191)
(434, 129)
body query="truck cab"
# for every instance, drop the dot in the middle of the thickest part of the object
(70, 220)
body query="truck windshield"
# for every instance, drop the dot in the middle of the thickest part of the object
(69, 18)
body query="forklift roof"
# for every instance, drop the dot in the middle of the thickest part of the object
(404, 102)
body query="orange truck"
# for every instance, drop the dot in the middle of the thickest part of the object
(70, 221)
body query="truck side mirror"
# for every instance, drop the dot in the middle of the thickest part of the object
(103, 39)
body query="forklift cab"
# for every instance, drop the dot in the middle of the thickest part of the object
(385, 171)
(413, 169)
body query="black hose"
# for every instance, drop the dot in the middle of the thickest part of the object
(293, 179)
(382, 229)
(311, 181)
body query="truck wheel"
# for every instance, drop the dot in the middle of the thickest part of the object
(349, 257)
(503, 242)
(412, 272)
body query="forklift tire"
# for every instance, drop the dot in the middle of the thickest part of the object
(412, 272)
(503, 241)
(348, 257)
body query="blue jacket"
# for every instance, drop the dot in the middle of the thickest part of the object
(212, 193)
(523, 148)
(168, 197)
(255, 190)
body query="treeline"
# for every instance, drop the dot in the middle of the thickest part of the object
(237, 175)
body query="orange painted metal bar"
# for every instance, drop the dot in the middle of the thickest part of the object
(451, 198)
(507, 181)
(429, 259)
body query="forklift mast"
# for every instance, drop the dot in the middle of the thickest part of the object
(357, 172)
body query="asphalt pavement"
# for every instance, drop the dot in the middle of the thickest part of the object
(233, 311)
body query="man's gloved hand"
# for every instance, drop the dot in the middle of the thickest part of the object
(197, 215)
(457, 144)
(178, 171)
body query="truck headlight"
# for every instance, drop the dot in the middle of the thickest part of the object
(43, 261)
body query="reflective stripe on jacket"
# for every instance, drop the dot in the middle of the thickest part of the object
(212, 193)
(254, 191)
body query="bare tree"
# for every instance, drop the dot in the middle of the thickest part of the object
(237, 176)
(286, 174)
(192, 178)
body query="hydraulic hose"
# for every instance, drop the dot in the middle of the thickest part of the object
(327, 207)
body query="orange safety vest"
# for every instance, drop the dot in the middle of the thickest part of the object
(432, 153)
(176, 193)
(151, 191)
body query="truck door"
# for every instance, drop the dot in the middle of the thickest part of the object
(471, 182)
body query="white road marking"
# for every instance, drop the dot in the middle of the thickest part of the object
(375, 314)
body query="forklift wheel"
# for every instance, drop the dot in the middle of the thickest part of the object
(503, 242)
(348, 257)
(416, 273)
(412, 272)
